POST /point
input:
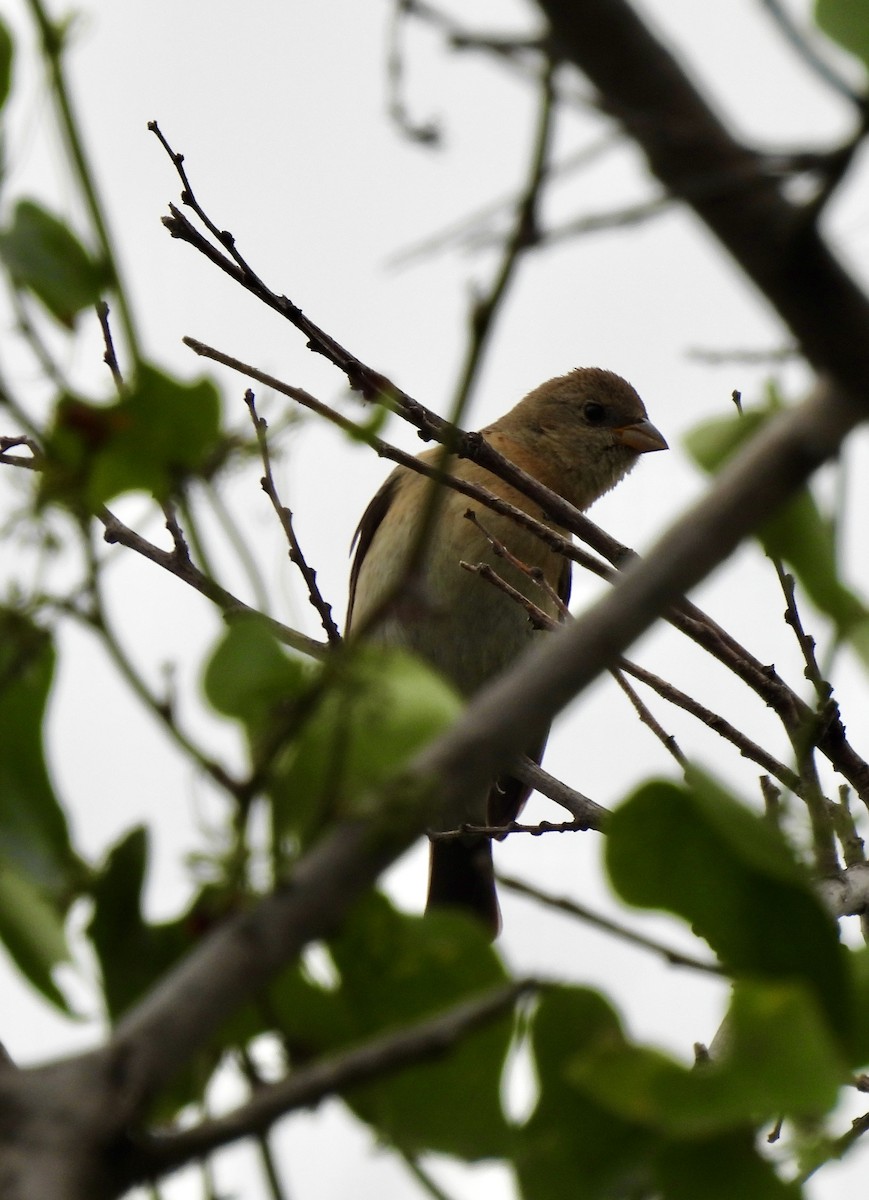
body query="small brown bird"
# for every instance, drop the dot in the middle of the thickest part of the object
(579, 434)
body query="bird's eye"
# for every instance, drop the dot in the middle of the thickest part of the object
(594, 412)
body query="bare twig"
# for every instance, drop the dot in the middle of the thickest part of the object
(772, 804)
(179, 564)
(642, 710)
(841, 1145)
(781, 354)
(538, 618)
(38, 346)
(746, 747)
(624, 932)
(425, 133)
(535, 574)
(502, 831)
(476, 226)
(324, 610)
(96, 618)
(612, 218)
(853, 850)
(806, 737)
(256, 1083)
(823, 689)
(586, 812)
(33, 462)
(239, 542)
(523, 234)
(110, 358)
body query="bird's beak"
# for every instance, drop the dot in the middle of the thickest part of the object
(641, 436)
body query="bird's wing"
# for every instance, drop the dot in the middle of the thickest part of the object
(364, 535)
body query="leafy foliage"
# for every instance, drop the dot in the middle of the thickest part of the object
(44, 256)
(158, 433)
(846, 22)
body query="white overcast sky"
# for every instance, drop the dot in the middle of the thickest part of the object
(280, 111)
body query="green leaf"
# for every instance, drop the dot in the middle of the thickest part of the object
(392, 970)
(798, 533)
(713, 442)
(572, 1145)
(132, 953)
(377, 708)
(779, 1058)
(251, 677)
(720, 1168)
(617, 1119)
(800, 536)
(846, 22)
(33, 831)
(696, 852)
(44, 255)
(858, 961)
(7, 53)
(32, 930)
(160, 432)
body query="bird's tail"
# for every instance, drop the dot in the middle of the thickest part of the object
(461, 875)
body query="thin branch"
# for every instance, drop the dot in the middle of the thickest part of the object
(587, 813)
(624, 932)
(276, 1189)
(31, 463)
(535, 574)
(95, 617)
(536, 615)
(612, 218)
(425, 133)
(840, 1146)
(181, 566)
(239, 543)
(523, 234)
(853, 849)
(502, 831)
(823, 689)
(772, 803)
(482, 322)
(378, 1058)
(323, 610)
(110, 357)
(804, 739)
(38, 347)
(771, 357)
(746, 747)
(475, 225)
(642, 710)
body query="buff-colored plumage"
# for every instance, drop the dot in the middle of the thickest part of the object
(579, 434)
